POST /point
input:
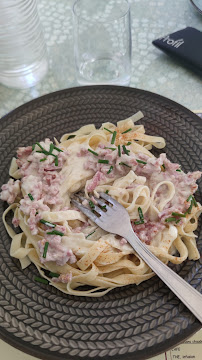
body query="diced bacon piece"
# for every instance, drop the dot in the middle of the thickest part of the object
(28, 168)
(51, 177)
(152, 165)
(63, 278)
(147, 231)
(166, 213)
(26, 205)
(15, 222)
(108, 154)
(24, 152)
(33, 221)
(94, 200)
(79, 229)
(56, 251)
(32, 184)
(91, 165)
(123, 241)
(96, 180)
(191, 179)
(51, 194)
(10, 191)
(60, 228)
(32, 165)
(168, 164)
(45, 144)
(101, 146)
(83, 152)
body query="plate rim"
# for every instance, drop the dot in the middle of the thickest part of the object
(36, 353)
(170, 343)
(127, 88)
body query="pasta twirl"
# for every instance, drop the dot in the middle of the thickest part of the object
(67, 248)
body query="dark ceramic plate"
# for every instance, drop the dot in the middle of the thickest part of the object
(130, 322)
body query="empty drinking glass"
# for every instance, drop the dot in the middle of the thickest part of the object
(102, 41)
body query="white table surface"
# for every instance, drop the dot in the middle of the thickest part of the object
(151, 69)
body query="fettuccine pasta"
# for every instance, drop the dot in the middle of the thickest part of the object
(70, 252)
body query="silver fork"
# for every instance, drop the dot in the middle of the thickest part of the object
(114, 218)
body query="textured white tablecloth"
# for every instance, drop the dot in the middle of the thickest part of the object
(151, 69)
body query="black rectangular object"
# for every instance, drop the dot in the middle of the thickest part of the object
(184, 45)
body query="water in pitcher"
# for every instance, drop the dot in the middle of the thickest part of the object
(23, 56)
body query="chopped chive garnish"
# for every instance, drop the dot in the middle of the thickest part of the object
(56, 148)
(129, 143)
(44, 159)
(193, 200)
(51, 148)
(170, 219)
(33, 147)
(141, 162)
(178, 214)
(91, 204)
(31, 197)
(177, 221)
(189, 209)
(93, 152)
(163, 166)
(43, 152)
(110, 148)
(107, 192)
(41, 280)
(138, 222)
(125, 150)
(109, 130)
(56, 161)
(119, 150)
(90, 234)
(179, 170)
(71, 137)
(110, 169)
(47, 223)
(103, 207)
(122, 163)
(55, 232)
(189, 198)
(101, 161)
(45, 249)
(113, 137)
(141, 214)
(39, 145)
(126, 131)
(51, 274)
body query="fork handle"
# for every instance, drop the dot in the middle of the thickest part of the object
(185, 292)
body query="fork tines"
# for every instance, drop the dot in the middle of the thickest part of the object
(90, 208)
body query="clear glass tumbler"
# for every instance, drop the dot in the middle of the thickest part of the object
(102, 41)
(23, 55)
